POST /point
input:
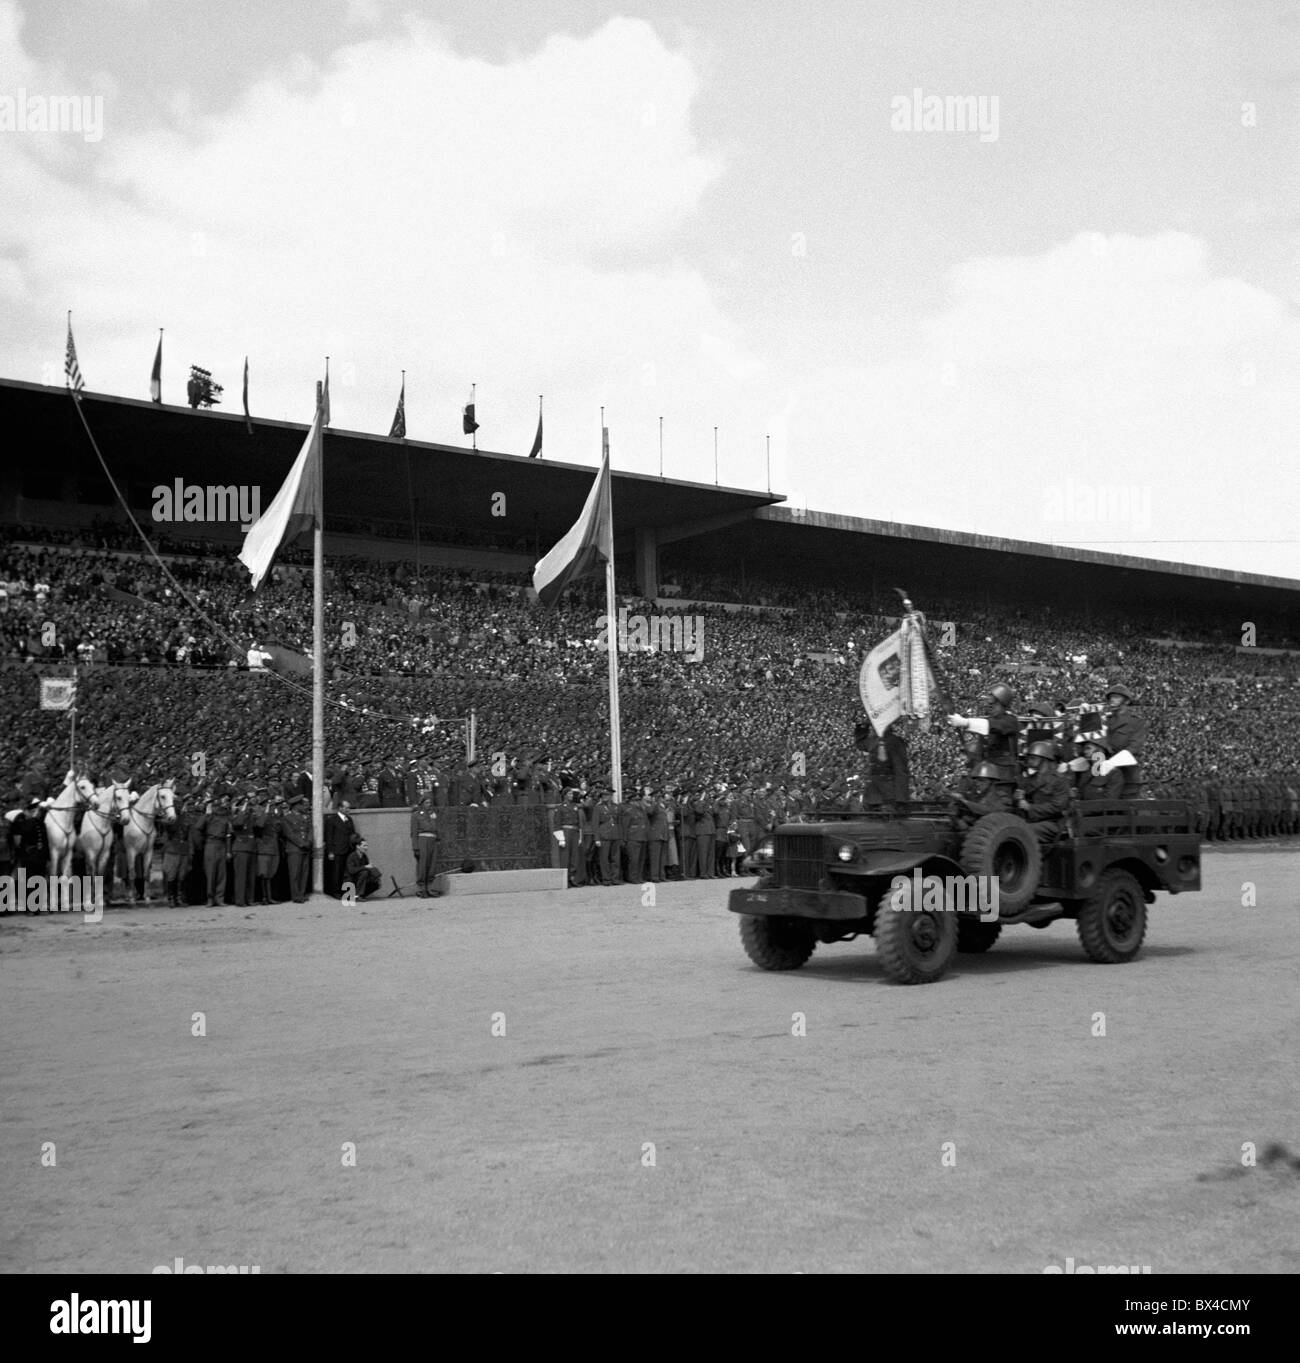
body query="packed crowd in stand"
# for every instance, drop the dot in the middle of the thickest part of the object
(761, 712)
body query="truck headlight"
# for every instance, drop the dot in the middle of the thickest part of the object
(846, 851)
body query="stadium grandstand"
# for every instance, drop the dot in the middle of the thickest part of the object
(430, 617)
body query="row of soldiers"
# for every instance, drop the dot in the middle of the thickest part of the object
(669, 832)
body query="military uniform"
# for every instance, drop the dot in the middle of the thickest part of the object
(268, 853)
(604, 817)
(215, 829)
(177, 851)
(1047, 795)
(296, 826)
(244, 825)
(424, 847)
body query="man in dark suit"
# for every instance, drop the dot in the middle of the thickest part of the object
(357, 871)
(339, 831)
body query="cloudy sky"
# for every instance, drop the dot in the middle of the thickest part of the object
(1074, 321)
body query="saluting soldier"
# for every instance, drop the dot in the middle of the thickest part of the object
(608, 842)
(215, 829)
(177, 851)
(268, 846)
(999, 728)
(1127, 732)
(636, 832)
(424, 845)
(705, 834)
(296, 826)
(244, 822)
(657, 835)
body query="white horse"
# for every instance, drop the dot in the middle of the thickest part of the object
(140, 829)
(96, 837)
(61, 822)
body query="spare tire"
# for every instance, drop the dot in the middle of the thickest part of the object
(1004, 846)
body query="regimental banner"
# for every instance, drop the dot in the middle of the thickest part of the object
(58, 693)
(896, 678)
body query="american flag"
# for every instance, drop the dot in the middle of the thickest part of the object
(70, 366)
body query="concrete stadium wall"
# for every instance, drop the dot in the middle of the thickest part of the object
(516, 837)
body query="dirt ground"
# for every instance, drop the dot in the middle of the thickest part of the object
(649, 1106)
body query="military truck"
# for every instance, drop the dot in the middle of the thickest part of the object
(927, 885)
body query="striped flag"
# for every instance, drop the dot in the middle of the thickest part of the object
(399, 417)
(292, 511)
(71, 368)
(589, 542)
(155, 379)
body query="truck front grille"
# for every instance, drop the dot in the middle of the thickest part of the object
(800, 860)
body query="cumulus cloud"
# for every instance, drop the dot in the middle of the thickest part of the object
(1054, 384)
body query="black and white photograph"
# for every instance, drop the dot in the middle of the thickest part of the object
(650, 640)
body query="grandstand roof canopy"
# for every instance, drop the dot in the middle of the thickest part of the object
(365, 475)
(700, 525)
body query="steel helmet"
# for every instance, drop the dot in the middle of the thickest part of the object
(1002, 693)
(1042, 749)
(1119, 689)
(986, 771)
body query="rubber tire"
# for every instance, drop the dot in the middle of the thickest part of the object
(1116, 889)
(974, 935)
(774, 943)
(978, 854)
(896, 945)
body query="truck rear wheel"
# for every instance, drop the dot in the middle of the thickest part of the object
(1005, 847)
(1113, 922)
(776, 943)
(915, 946)
(974, 935)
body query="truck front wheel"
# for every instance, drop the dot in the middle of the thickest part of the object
(915, 946)
(774, 943)
(1113, 922)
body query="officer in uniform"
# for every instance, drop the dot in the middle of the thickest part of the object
(215, 829)
(1127, 732)
(244, 823)
(177, 852)
(424, 845)
(604, 816)
(1044, 796)
(981, 792)
(1090, 784)
(296, 826)
(889, 777)
(999, 729)
(657, 841)
(636, 834)
(268, 846)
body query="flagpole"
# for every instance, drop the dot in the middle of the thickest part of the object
(611, 639)
(318, 669)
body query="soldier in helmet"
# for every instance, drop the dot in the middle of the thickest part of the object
(999, 729)
(981, 792)
(1044, 796)
(1127, 732)
(1090, 783)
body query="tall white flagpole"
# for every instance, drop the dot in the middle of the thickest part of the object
(611, 635)
(318, 672)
